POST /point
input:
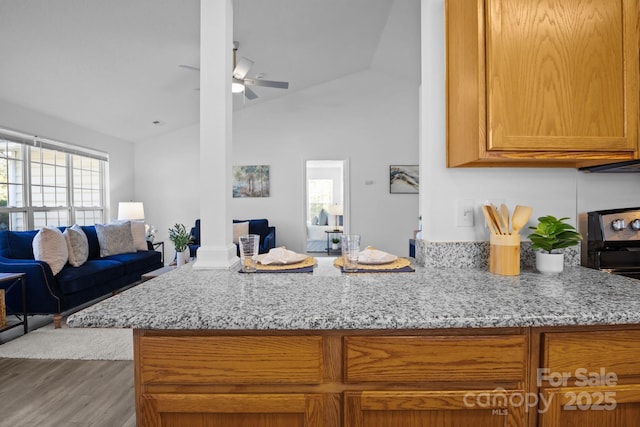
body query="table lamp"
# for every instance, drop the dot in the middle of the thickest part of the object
(131, 211)
(336, 210)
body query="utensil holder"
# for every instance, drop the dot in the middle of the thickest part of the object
(504, 254)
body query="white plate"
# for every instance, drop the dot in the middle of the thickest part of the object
(293, 258)
(376, 257)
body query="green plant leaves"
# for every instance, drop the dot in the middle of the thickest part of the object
(180, 237)
(552, 233)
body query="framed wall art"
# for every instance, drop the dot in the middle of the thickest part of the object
(404, 179)
(251, 181)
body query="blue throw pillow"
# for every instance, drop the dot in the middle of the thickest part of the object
(323, 218)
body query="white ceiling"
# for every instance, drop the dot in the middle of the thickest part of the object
(112, 66)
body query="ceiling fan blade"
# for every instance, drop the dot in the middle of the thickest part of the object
(189, 67)
(242, 68)
(249, 93)
(266, 83)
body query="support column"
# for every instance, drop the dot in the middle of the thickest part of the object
(216, 44)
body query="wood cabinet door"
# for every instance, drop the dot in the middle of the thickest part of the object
(489, 408)
(562, 75)
(231, 410)
(607, 406)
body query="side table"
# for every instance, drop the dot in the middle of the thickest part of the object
(157, 245)
(329, 250)
(9, 282)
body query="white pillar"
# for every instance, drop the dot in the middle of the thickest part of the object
(216, 43)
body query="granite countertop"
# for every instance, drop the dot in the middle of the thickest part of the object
(428, 298)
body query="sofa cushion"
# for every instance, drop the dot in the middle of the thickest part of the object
(115, 238)
(77, 245)
(259, 226)
(17, 244)
(139, 235)
(50, 246)
(323, 217)
(92, 238)
(136, 261)
(92, 273)
(240, 229)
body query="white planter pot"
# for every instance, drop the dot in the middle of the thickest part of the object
(334, 246)
(547, 263)
(182, 257)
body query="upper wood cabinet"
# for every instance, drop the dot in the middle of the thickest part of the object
(541, 82)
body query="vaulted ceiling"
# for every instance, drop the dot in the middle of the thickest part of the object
(112, 66)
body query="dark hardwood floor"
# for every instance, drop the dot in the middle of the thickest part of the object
(66, 393)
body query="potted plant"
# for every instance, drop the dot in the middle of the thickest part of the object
(551, 235)
(334, 243)
(180, 238)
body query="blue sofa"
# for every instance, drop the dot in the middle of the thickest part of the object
(256, 226)
(73, 286)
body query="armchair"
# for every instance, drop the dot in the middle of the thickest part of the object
(261, 227)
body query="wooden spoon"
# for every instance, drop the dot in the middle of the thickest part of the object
(520, 217)
(504, 216)
(490, 221)
(496, 219)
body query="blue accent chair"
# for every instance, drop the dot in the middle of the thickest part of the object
(261, 227)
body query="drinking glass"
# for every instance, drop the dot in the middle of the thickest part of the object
(350, 252)
(249, 252)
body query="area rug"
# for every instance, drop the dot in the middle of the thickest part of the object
(71, 343)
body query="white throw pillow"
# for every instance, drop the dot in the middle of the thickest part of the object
(77, 245)
(139, 235)
(50, 246)
(240, 229)
(115, 238)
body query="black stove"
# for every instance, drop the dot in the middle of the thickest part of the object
(613, 241)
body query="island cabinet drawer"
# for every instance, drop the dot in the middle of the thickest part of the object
(616, 351)
(230, 359)
(435, 358)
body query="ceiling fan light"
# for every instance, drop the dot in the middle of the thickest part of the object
(237, 86)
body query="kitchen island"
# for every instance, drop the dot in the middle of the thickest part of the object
(433, 347)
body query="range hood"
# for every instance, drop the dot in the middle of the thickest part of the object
(629, 166)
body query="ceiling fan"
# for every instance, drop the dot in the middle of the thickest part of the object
(239, 81)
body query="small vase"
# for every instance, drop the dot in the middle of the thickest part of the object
(182, 257)
(547, 263)
(334, 246)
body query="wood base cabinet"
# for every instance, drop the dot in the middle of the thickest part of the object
(478, 408)
(498, 377)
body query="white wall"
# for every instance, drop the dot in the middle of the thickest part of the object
(559, 192)
(121, 177)
(366, 118)
(167, 180)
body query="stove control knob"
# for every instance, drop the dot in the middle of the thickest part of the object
(635, 224)
(618, 224)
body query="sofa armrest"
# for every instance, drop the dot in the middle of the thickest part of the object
(42, 293)
(269, 240)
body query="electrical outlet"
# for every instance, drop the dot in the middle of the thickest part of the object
(465, 213)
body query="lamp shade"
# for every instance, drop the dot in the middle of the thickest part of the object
(335, 209)
(130, 210)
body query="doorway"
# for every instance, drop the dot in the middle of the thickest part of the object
(326, 211)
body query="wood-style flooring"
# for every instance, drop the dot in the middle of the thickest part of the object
(66, 393)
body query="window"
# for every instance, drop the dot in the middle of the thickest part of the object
(320, 196)
(45, 182)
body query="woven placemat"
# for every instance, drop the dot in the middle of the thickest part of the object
(400, 263)
(307, 262)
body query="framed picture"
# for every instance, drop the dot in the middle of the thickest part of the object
(251, 181)
(404, 179)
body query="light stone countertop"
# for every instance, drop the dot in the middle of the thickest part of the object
(328, 300)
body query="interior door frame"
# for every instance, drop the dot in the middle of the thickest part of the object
(346, 195)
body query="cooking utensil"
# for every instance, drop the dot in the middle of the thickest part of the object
(520, 217)
(490, 221)
(496, 219)
(504, 216)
